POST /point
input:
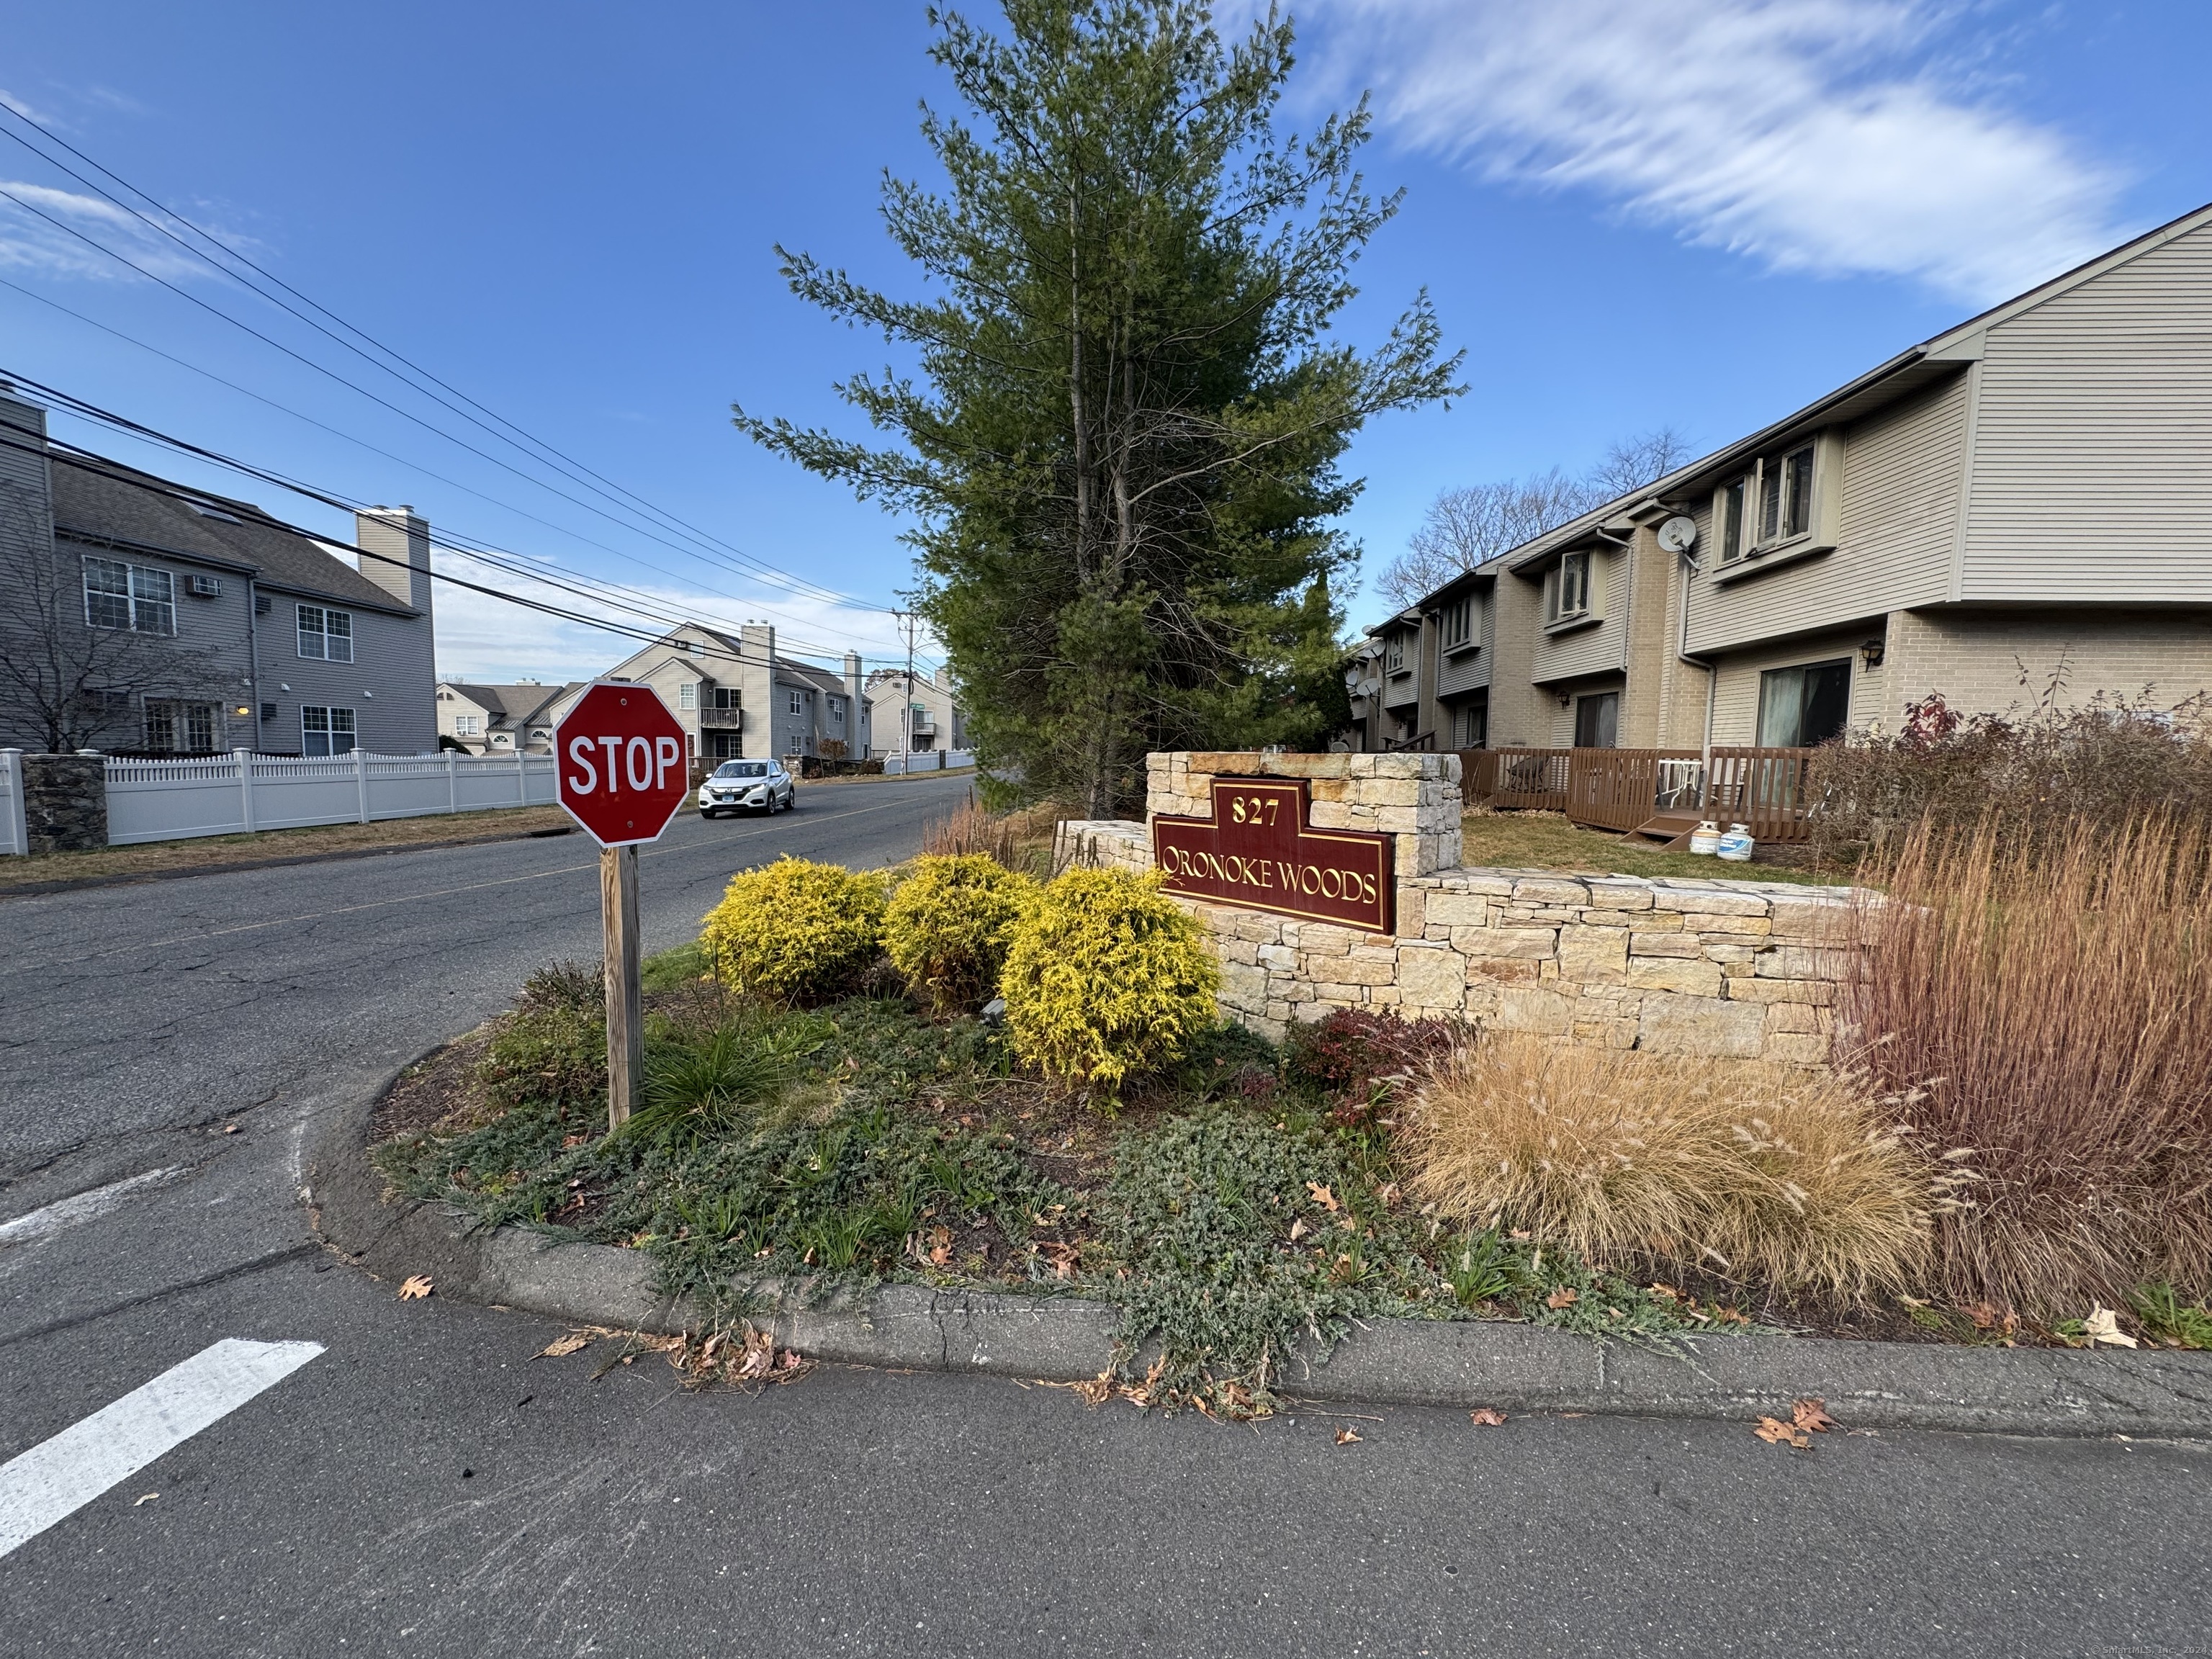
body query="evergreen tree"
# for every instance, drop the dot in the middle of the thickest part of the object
(1122, 452)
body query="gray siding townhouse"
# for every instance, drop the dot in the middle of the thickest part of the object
(2021, 503)
(217, 626)
(501, 719)
(736, 698)
(937, 720)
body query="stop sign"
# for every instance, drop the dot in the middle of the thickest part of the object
(623, 772)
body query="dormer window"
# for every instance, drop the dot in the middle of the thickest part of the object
(1785, 497)
(1456, 623)
(1567, 589)
(1395, 658)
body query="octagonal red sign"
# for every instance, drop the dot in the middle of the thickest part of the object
(623, 768)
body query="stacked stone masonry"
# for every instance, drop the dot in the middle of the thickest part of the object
(1719, 967)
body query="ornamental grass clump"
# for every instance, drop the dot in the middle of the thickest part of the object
(1753, 1171)
(2044, 1004)
(1106, 978)
(948, 927)
(795, 930)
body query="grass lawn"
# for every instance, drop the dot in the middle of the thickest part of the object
(1546, 841)
(161, 858)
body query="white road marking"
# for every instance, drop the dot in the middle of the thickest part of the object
(70, 1212)
(57, 1477)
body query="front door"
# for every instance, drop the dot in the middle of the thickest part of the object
(1597, 720)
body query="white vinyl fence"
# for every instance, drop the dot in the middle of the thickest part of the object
(927, 760)
(238, 792)
(13, 837)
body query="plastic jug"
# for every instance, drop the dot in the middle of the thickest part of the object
(1705, 839)
(1735, 846)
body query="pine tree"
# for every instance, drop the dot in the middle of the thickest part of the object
(1121, 451)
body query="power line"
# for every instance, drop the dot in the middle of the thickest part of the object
(87, 461)
(512, 563)
(425, 425)
(567, 465)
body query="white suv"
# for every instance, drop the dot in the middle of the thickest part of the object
(747, 786)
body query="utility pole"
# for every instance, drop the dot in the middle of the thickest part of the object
(906, 718)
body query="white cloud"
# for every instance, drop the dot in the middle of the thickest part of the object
(30, 242)
(1828, 137)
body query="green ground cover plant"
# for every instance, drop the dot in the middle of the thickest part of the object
(1236, 1215)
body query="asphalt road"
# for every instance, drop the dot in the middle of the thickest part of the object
(422, 1486)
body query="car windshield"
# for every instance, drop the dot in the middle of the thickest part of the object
(742, 769)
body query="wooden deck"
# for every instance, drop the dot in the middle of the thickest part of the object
(1662, 794)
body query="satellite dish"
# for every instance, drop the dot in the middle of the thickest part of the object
(1679, 534)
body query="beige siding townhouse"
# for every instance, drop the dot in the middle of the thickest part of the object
(921, 709)
(2018, 507)
(737, 698)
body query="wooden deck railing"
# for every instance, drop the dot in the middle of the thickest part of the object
(1624, 789)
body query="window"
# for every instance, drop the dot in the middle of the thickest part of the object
(267, 713)
(837, 709)
(326, 731)
(798, 702)
(721, 745)
(1798, 708)
(1567, 590)
(1728, 533)
(1785, 497)
(687, 694)
(133, 596)
(1396, 661)
(1470, 727)
(468, 726)
(1597, 720)
(177, 728)
(326, 634)
(1458, 623)
(725, 697)
(743, 770)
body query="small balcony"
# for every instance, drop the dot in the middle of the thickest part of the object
(721, 719)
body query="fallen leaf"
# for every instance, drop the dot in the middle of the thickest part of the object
(230, 1128)
(1811, 1415)
(148, 1498)
(1487, 1417)
(1564, 1297)
(1298, 1232)
(2103, 1325)
(1775, 1432)
(1322, 1196)
(1665, 1292)
(1984, 1317)
(574, 1342)
(1347, 1435)
(415, 1288)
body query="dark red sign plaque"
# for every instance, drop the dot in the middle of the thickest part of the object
(1257, 851)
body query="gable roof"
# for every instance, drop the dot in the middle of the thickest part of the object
(1936, 358)
(512, 705)
(105, 501)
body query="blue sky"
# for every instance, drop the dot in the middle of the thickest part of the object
(1629, 212)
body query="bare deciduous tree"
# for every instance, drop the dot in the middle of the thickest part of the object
(1467, 525)
(63, 681)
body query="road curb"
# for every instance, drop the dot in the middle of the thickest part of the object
(2160, 1394)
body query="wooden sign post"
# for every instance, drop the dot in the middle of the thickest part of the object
(622, 776)
(625, 992)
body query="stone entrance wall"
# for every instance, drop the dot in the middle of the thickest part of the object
(1717, 966)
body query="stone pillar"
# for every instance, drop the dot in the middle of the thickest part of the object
(64, 802)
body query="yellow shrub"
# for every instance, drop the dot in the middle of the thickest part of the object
(949, 924)
(1756, 1170)
(1106, 977)
(794, 929)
